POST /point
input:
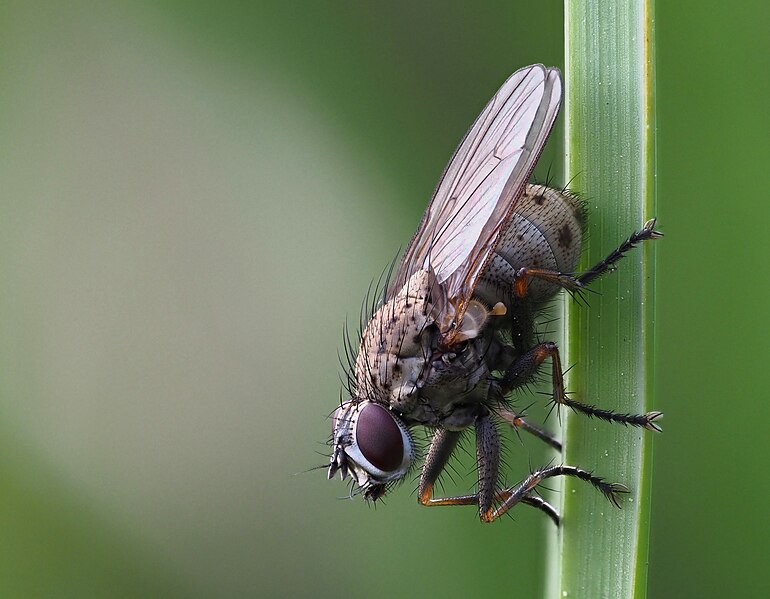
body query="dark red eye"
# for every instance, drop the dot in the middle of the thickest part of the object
(379, 438)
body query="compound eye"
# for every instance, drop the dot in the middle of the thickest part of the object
(380, 438)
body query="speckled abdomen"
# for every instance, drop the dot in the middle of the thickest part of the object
(546, 232)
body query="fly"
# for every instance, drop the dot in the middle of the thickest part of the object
(455, 333)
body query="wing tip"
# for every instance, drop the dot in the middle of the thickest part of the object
(537, 74)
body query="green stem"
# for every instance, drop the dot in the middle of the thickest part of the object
(601, 551)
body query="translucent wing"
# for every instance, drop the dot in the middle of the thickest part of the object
(479, 187)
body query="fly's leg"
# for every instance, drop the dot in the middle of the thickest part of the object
(488, 458)
(441, 447)
(539, 503)
(488, 453)
(517, 421)
(564, 280)
(647, 232)
(525, 368)
(573, 283)
(510, 497)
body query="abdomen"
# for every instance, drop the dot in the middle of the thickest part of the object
(545, 232)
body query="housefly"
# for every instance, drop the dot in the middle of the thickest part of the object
(454, 334)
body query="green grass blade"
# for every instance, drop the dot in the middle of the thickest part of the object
(601, 551)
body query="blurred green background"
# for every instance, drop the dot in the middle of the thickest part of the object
(195, 194)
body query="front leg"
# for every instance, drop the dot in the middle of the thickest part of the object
(487, 455)
(488, 461)
(441, 448)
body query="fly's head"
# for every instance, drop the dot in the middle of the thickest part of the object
(370, 443)
(370, 440)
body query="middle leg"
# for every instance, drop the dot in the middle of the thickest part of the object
(524, 369)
